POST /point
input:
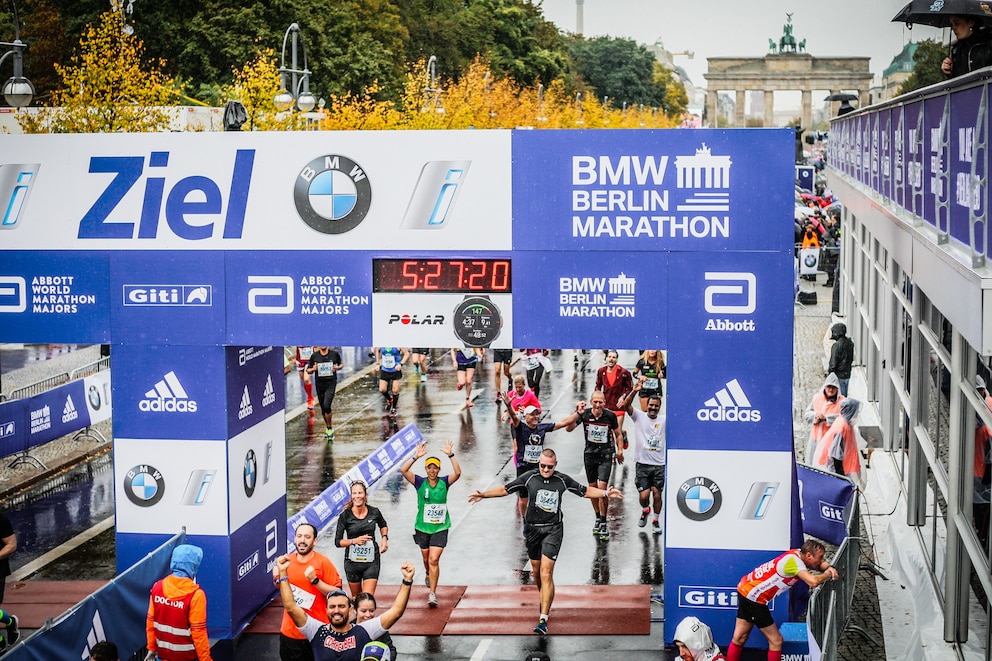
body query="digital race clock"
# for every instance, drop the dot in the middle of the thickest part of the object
(452, 276)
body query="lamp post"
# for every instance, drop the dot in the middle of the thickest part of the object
(432, 93)
(18, 90)
(298, 90)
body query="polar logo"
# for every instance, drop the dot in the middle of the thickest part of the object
(274, 295)
(729, 404)
(738, 294)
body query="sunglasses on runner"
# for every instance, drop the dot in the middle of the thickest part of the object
(548, 466)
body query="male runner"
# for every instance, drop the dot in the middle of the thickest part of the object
(430, 531)
(312, 576)
(339, 639)
(501, 365)
(603, 443)
(543, 521)
(302, 358)
(390, 361)
(649, 454)
(768, 581)
(326, 362)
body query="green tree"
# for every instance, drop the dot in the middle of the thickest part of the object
(619, 69)
(926, 68)
(107, 87)
(675, 100)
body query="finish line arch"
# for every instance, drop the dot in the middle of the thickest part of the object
(196, 254)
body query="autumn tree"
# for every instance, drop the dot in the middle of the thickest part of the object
(107, 87)
(926, 68)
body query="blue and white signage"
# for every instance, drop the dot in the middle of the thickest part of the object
(652, 190)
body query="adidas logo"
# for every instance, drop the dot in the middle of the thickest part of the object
(69, 412)
(246, 409)
(95, 635)
(269, 394)
(168, 396)
(729, 404)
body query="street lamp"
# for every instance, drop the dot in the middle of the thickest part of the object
(432, 93)
(299, 78)
(18, 90)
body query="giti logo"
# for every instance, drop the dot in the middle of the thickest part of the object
(144, 485)
(13, 293)
(432, 203)
(729, 404)
(245, 409)
(16, 182)
(416, 320)
(248, 564)
(332, 194)
(168, 396)
(706, 596)
(735, 295)
(69, 412)
(7, 428)
(168, 295)
(831, 512)
(268, 393)
(699, 498)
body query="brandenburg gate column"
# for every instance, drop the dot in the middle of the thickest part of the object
(807, 112)
(711, 107)
(739, 109)
(769, 109)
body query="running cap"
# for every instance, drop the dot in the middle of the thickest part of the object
(432, 460)
(337, 593)
(375, 651)
(531, 409)
(537, 655)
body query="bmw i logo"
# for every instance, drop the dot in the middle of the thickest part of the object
(251, 473)
(332, 194)
(144, 485)
(699, 498)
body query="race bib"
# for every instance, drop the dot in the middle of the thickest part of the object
(653, 442)
(325, 369)
(468, 353)
(305, 353)
(597, 433)
(547, 500)
(532, 453)
(362, 552)
(303, 598)
(532, 362)
(651, 383)
(435, 513)
(389, 361)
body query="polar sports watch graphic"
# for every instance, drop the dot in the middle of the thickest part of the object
(16, 181)
(477, 321)
(332, 194)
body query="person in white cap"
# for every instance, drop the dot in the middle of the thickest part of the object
(694, 641)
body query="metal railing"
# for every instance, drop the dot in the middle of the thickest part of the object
(90, 368)
(39, 387)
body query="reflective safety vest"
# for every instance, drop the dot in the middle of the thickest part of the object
(171, 622)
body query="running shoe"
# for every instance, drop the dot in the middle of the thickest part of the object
(392, 411)
(423, 377)
(604, 531)
(643, 521)
(595, 528)
(468, 403)
(626, 443)
(329, 434)
(656, 527)
(459, 386)
(13, 633)
(432, 600)
(310, 403)
(499, 400)
(542, 628)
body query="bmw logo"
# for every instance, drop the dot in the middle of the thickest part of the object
(332, 194)
(810, 260)
(251, 473)
(144, 485)
(93, 394)
(699, 498)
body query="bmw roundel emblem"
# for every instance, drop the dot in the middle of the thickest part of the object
(251, 473)
(94, 396)
(699, 498)
(332, 194)
(144, 485)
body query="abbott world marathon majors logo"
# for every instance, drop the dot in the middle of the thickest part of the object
(168, 396)
(332, 194)
(729, 404)
(730, 297)
(597, 297)
(317, 295)
(631, 196)
(49, 294)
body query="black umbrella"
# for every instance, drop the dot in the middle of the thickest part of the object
(842, 96)
(234, 116)
(937, 13)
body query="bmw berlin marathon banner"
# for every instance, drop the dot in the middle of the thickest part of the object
(197, 255)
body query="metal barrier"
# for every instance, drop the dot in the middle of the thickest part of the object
(90, 368)
(39, 387)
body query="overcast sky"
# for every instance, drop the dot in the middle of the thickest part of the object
(728, 28)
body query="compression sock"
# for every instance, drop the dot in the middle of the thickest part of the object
(308, 387)
(734, 652)
(775, 655)
(5, 617)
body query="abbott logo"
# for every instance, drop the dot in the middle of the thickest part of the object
(168, 396)
(729, 404)
(16, 182)
(737, 296)
(13, 293)
(274, 296)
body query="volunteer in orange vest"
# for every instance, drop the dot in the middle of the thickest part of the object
(822, 412)
(177, 611)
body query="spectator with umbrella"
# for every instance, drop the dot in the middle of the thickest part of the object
(966, 19)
